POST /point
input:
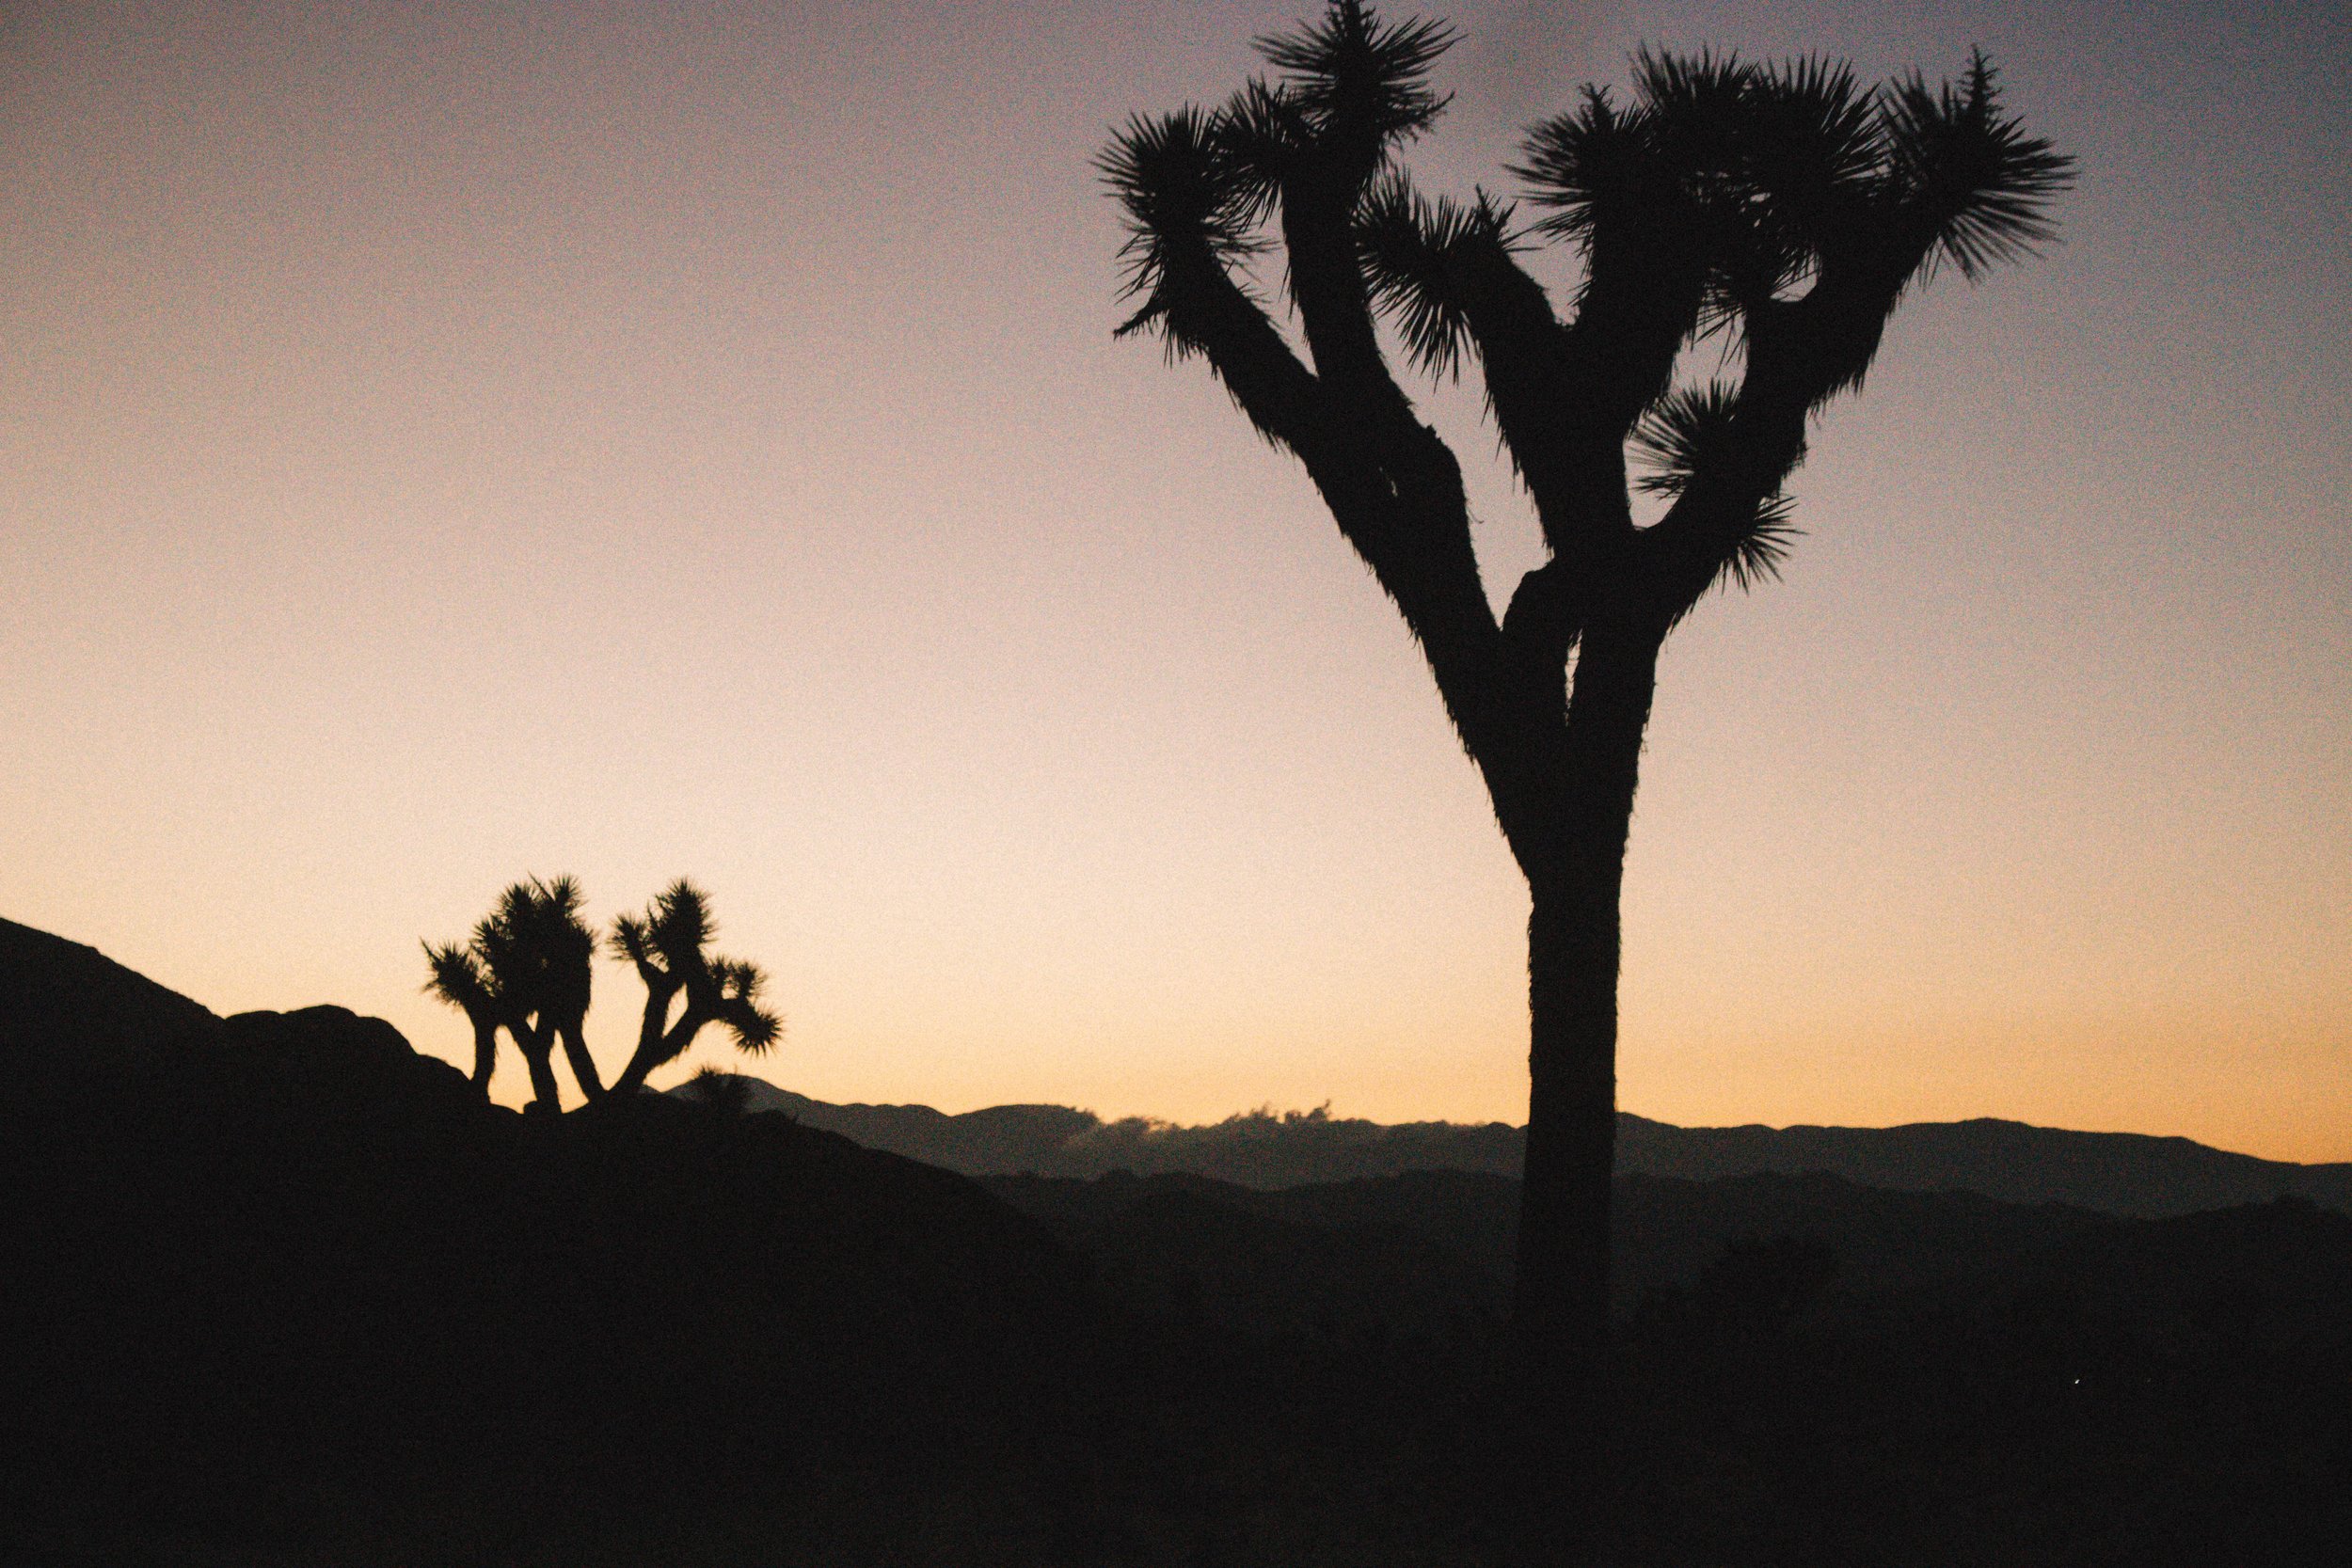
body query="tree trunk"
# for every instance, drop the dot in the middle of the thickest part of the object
(1573, 943)
(1558, 1401)
(1574, 938)
(659, 1054)
(1563, 1293)
(584, 1064)
(546, 1097)
(485, 1056)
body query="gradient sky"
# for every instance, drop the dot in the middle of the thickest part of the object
(448, 441)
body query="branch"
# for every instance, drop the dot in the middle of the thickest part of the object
(1937, 176)
(1444, 274)
(1728, 515)
(1634, 187)
(1191, 183)
(1194, 186)
(1190, 213)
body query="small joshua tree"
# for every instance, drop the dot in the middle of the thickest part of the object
(667, 944)
(528, 970)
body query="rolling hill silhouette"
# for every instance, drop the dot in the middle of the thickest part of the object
(270, 1258)
(1430, 1251)
(69, 1008)
(289, 1281)
(2118, 1173)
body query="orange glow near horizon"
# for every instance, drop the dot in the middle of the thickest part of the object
(454, 443)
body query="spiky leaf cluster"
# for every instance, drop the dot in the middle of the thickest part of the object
(1411, 244)
(1190, 203)
(1352, 79)
(456, 975)
(670, 934)
(530, 956)
(1960, 165)
(1197, 185)
(1692, 431)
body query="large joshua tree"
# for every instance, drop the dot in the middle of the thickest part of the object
(686, 988)
(1780, 212)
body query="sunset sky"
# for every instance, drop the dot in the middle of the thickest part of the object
(444, 442)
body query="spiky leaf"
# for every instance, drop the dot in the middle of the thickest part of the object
(1187, 204)
(1966, 169)
(1362, 83)
(1411, 247)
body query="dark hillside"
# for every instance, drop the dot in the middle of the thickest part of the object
(1429, 1251)
(300, 1262)
(280, 1289)
(1811, 1371)
(66, 1008)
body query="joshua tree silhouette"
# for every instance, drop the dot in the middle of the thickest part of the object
(667, 944)
(458, 979)
(1781, 211)
(529, 970)
(565, 951)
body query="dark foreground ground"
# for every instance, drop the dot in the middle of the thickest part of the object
(278, 1291)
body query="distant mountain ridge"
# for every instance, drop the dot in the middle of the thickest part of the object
(2117, 1173)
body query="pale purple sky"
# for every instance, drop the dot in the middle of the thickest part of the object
(445, 442)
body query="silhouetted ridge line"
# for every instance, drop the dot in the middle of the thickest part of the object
(69, 1014)
(291, 1282)
(288, 1247)
(2120, 1173)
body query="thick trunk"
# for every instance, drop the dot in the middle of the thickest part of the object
(545, 1095)
(538, 1049)
(652, 1032)
(1559, 1400)
(1561, 1306)
(663, 1051)
(1563, 1294)
(584, 1064)
(1573, 941)
(485, 1056)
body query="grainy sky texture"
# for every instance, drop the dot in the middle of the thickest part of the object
(448, 441)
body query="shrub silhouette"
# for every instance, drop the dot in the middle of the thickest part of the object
(1780, 210)
(724, 1095)
(668, 946)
